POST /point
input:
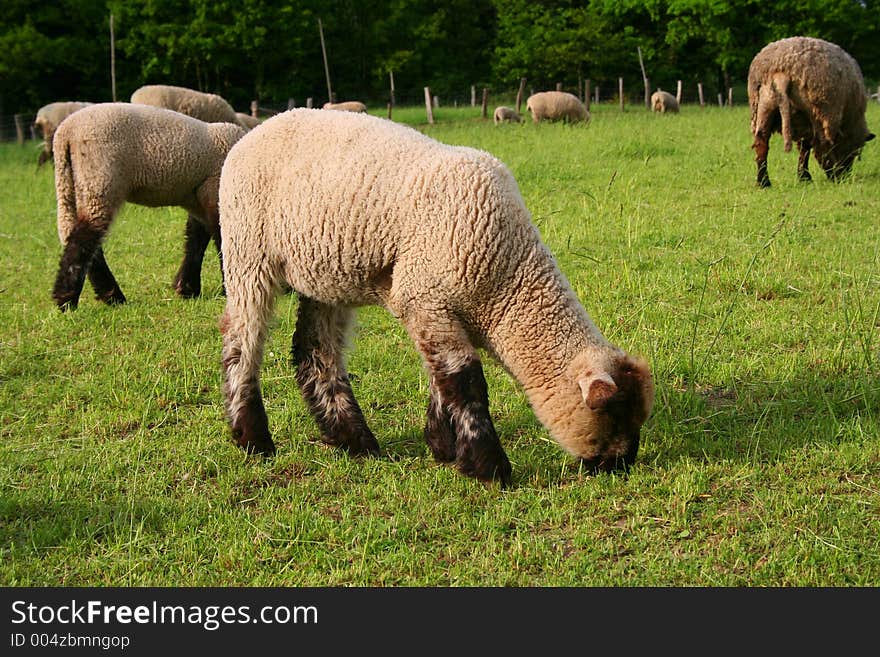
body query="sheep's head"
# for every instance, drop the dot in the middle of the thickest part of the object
(837, 159)
(598, 409)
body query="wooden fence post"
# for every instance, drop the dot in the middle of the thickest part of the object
(254, 106)
(291, 103)
(700, 91)
(473, 95)
(390, 106)
(484, 112)
(720, 99)
(558, 86)
(19, 128)
(620, 91)
(596, 100)
(391, 78)
(645, 80)
(587, 94)
(678, 93)
(519, 94)
(730, 96)
(428, 105)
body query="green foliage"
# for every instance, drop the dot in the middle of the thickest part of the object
(271, 51)
(757, 309)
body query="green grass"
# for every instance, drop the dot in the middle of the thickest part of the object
(758, 310)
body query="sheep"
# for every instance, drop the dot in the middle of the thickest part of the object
(48, 118)
(206, 107)
(556, 106)
(506, 115)
(812, 92)
(246, 120)
(347, 106)
(663, 101)
(350, 210)
(110, 153)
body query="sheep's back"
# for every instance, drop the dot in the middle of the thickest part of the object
(337, 200)
(149, 155)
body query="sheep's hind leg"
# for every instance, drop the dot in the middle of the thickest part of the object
(318, 344)
(102, 280)
(245, 326)
(188, 281)
(458, 413)
(82, 245)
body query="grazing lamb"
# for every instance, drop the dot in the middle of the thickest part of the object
(349, 210)
(556, 106)
(812, 92)
(49, 117)
(663, 101)
(206, 107)
(506, 115)
(347, 106)
(111, 153)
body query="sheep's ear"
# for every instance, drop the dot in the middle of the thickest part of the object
(597, 389)
(871, 135)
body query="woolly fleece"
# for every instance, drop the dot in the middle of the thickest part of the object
(812, 90)
(110, 153)
(350, 209)
(556, 106)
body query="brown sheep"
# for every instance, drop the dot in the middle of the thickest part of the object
(812, 92)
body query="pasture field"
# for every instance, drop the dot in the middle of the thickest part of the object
(759, 311)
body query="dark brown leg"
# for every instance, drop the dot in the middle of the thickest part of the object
(804, 146)
(318, 344)
(82, 244)
(439, 433)
(188, 281)
(458, 424)
(762, 147)
(102, 280)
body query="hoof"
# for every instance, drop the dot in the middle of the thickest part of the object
(487, 464)
(362, 443)
(112, 298)
(66, 303)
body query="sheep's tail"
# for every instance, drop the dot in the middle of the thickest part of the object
(65, 190)
(780, 82)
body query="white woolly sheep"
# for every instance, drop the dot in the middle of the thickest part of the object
(556, 106)
(206, 107)
(246, 120)
(110, 153)
(663, 101)
(350, 209)
(812, 92)
(506, 115)
(347, 106)
(48, 118)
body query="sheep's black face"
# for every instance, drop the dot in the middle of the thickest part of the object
(616, 460)
(837, 161)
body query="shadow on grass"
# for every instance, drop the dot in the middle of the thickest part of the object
(30, 526)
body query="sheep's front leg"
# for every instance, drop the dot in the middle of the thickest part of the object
(318, 344)
(188, 281)
(82, 245)
(458, 424)
(762, 148)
